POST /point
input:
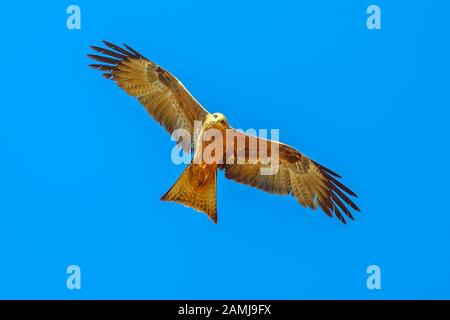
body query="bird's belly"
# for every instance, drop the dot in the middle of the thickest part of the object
(203, 173)
(209, 153)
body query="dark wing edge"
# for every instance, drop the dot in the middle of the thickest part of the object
(312, 184)
(164, 96)
(113, 57)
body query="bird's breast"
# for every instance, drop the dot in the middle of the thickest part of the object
(209, 147)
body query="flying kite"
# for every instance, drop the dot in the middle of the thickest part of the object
(170, 103)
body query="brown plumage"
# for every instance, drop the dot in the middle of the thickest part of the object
(169, 103)
(162, 95)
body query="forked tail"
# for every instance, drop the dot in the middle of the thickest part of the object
(196, 188)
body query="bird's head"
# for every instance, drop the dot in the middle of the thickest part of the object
(217, 121)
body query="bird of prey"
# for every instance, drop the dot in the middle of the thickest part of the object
(170, 103)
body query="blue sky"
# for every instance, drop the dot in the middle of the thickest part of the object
(82, 166)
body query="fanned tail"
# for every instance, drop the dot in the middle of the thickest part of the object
(195, 188)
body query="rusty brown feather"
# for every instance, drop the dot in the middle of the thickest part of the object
(170, 103)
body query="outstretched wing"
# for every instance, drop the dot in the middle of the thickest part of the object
(311, 183)
(164, 97)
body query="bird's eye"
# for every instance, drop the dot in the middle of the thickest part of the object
(222, 121)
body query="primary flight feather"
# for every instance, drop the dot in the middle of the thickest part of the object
(171, 104)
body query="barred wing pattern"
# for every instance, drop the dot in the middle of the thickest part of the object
(171, 104)
(164, 96)
(312, 184)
